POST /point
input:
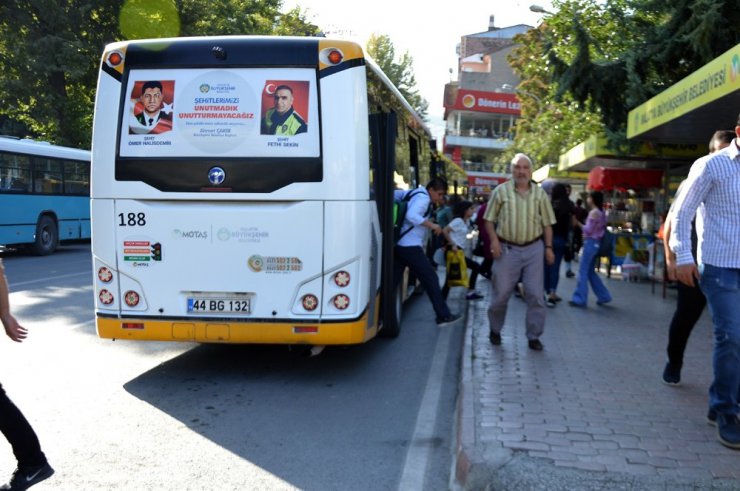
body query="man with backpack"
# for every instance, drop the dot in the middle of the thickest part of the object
(409, 249)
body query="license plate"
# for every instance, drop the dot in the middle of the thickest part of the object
(219, 305)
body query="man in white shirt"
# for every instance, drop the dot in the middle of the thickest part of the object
(409, 251)
(714, 180)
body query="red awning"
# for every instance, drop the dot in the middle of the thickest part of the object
(607, 179)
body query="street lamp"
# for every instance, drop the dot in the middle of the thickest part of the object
(521, 91)
(537, 9)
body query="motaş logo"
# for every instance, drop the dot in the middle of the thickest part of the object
(189, 234)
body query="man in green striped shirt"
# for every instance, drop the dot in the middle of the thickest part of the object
(519, 220)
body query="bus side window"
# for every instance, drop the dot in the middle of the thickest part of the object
(47, 176)
(76, 178)
(15, 172)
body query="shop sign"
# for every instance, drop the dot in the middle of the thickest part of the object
(489, 102)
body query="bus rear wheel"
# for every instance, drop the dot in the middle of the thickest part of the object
(47, 236)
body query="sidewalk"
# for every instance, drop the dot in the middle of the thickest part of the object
(590, 412)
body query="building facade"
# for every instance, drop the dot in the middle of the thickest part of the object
(481, 107)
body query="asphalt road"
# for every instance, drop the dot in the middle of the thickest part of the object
(165, 416)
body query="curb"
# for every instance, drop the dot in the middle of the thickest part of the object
(472, 469)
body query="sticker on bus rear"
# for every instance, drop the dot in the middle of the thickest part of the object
(254, 112)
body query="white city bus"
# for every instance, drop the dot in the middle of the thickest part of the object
(208, 227)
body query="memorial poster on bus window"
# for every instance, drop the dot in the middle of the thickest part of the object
(260, 112)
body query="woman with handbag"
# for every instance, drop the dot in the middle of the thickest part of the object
(456, 233)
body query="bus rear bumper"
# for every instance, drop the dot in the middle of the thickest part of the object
(355, 331)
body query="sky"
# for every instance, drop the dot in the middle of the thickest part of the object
(429, 31)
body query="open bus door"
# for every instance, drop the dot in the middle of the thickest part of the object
(383, 128)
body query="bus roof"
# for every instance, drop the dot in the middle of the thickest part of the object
(40, 148)
(372, 64)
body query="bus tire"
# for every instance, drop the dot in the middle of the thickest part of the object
(392, 315)
(47, 236)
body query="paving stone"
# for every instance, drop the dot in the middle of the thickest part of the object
(592, 405)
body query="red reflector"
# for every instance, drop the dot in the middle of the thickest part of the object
(133, 325)
(305, 329)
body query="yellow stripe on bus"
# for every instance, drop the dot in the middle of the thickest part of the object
(341, 333)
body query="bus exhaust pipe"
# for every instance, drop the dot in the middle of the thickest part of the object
(315, 351)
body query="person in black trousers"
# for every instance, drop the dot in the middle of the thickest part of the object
(691, 301)
(32, 464)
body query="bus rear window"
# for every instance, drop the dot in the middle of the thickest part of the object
(225, 113)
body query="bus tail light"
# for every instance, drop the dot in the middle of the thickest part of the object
(133, 325)
(310, 302)
(105, 275)
(105, 297)
(341, 279)
(114, 59)
(341, 301)
(331, 56)
(132, 298)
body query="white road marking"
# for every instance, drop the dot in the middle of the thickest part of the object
(49, 278)
(420, 449)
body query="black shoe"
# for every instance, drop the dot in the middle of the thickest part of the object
(536, 345)
(672, 374)
(578, 305)
(495, 338)
(451, 319)
(550, 302)
(728, 430)
(473, 296)
(27, 477)
(712, 417)
(569, 274)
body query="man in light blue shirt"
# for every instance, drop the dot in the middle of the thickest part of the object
(409, 251)
(714, 180)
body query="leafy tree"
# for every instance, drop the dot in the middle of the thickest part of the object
(605, 57)
(548, 124)
(50, 51)
(399, 71)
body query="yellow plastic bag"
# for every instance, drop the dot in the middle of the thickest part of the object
(457, 270)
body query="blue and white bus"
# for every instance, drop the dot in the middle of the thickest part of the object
(243, 188)
(44, 194)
